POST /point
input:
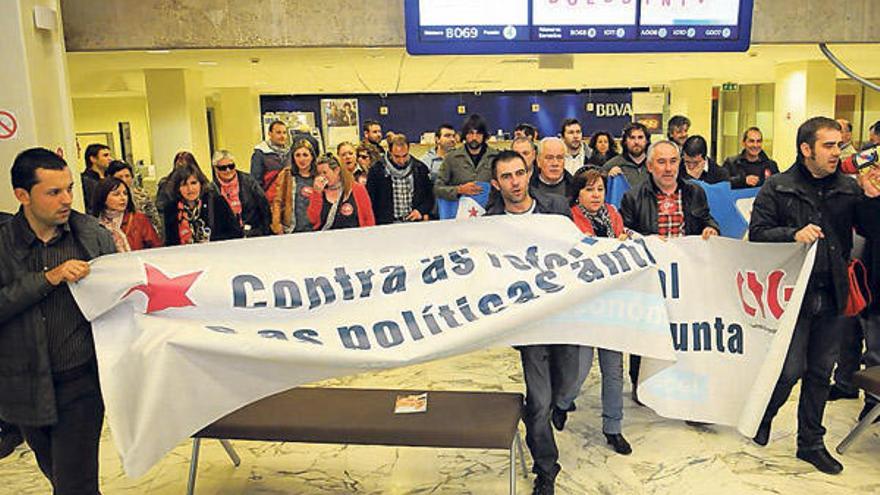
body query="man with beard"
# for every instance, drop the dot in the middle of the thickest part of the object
(444, 142)
(464, 167)
(399, 185)
(551, 176)
(576, 150)
(631, 163)
(550, 371)
(752, 166)
(677, 129)
(373, 134)
(813, 202)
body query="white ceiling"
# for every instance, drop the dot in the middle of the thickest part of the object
(391, 70)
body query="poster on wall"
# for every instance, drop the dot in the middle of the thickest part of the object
(340, 121)
(299, 124)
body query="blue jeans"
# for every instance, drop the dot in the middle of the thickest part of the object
(611, 365)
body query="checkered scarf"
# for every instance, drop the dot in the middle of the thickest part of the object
(402, 188)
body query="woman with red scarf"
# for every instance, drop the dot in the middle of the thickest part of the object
(115, 210)
(596, 218)
(338, 201)
(197, 213)
(243, 194)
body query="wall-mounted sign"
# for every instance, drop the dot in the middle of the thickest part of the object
(575, 26)
(8, 125)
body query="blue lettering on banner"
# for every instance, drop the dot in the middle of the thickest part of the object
(250, 292)
(677, 384)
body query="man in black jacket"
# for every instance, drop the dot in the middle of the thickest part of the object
(698, 165)
(752, 166)
(49, 374)
(812, 201)
(10, 435)
(550, 371)
(667, 206)
(243, 194)
(551, 176)
(400, 186)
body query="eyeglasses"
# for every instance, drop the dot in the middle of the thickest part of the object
(364, 157)
(224, 168)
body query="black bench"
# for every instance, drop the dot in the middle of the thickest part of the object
(478, 420)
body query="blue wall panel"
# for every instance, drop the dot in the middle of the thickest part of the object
(414, 114)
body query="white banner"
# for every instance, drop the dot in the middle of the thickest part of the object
(732, 310)
(186, 335)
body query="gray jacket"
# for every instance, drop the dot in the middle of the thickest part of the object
(27, 394)
(458, 169)
(634, 174)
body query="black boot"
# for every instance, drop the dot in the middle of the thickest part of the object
(821, 460)
(763, 436)
(544, 485)
(618, 443)
(558, 418)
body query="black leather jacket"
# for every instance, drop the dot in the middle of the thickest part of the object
(27, 394)
(639, 208)
(791, 200)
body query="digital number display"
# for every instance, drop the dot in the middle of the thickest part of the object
(572, 26)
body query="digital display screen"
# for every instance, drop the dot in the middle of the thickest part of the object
(576, 26)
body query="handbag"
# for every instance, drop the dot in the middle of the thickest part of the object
(859, 292)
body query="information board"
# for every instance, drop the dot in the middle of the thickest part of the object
(576, 26)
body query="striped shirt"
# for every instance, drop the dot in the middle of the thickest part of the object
(69, 334)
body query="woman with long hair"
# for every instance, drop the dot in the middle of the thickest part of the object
(196, 212)
(338, 201)
(348, 157)
(143, 203)
(604, 148)
(131, 230)
(596, 218)
(293, 189)
(181, 158)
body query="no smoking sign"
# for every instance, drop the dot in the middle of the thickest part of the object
(8, 125)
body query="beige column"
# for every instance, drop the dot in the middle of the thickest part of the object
(803, 90)
(237, 117)
(35, 92)
(693, 99)
(178, 116)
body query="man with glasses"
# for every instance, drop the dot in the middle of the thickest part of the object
(697, 165)
(244, 196)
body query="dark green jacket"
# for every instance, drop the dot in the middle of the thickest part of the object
(27, 394)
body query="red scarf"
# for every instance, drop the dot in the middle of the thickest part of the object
(185, 217)
(230, 192)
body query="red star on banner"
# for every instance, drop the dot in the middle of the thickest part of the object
(163, 292)
(473, 212)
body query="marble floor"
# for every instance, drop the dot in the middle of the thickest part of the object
(669, 456)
